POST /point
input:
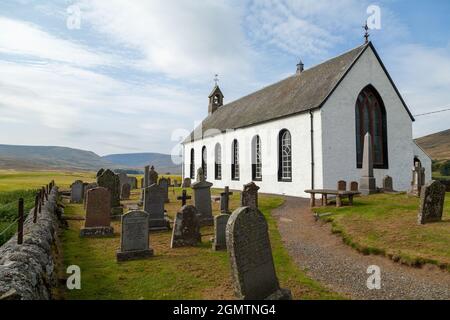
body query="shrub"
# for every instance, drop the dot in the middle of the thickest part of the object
(445, 168)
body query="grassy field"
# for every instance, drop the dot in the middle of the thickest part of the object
(387, 224)
(184, 273)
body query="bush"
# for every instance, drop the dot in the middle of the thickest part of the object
(445, 168)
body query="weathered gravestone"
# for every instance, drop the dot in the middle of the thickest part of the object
(132, 181)
(184, 197)
(134, 240)
(342, 185)
(354, 186)
(164, 184)
(186, 228)
(111, 181)
(418, 179)
(431, 202)
(152, 176)
(186, 183)
(77, 192)
(154, 206)
(249, 196)
(367, 183)
(225, 201)
(125, 192)
(220, 225)
(88, 187)
(253, 270)
(98, 214)
(123, 178)
(202, 199)
(100, 172)
(387, 184)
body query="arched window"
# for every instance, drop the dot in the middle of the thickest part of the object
(235, 160)
(256, 159)
(370, 117)
(284, 156)
(192, 168)
(204, 162)
(218, 162)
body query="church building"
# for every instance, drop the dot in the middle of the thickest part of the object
(307, 131)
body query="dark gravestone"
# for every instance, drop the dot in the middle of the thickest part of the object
(183, 198)
(98, 211)
(134, 240)
(431, 202)
(387, 184)
(186, 183)
(220, 225)
(342, 185)
(253, 270)
(152, 176)
(77, 192)
(111, 181)
(164, 184)
(354, 186)
(367, 183)
(186, 228)
(100, 172)
(154, 206)
(225, 201)
(249, 196)
(202, 199)
(125, 192)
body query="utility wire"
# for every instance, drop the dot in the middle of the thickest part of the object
(432, 112)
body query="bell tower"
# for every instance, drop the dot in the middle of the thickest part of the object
(215, 98)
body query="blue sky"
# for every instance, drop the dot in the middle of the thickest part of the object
(135, 76)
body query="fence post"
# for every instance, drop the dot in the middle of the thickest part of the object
(40, 201)
(20, 223)
(35, 210)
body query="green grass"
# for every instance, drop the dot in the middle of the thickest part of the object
(184, 273)
(387, 225)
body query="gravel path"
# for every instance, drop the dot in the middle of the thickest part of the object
(328, 260)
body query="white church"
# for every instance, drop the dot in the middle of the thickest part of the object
(307, 131)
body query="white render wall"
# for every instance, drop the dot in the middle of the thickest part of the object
(299, 127)
(338, 116)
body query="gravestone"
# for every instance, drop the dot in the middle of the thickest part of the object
(186, 183)
(77, 192)
(354, 186)
(88, 187)
(132, 182)
(111, 181)
(154, 206)
(253, 270)
(249, 196)
(164, 184)
(220, 225)
(387, 184)
(186, 228)
(418, 179)
(431, 202)
(342, 185)
(123, 178)
(152, 176)
(98, 214)
(367, 183)
(202, 199)
(100, 172)
(169, 182)
(125, 192)
(134, 240)
(225, 201)
(183, 197)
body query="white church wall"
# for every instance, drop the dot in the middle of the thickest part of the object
(338, 121)
(424, 159)
(299, 127)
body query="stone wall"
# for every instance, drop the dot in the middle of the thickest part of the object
(28, 271)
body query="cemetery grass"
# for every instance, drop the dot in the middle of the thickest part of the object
(183, 273)
(387, 225)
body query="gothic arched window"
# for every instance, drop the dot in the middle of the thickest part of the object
(256, 159)
(370, 117)
(205, 162)
(284, 156)
(192, 168)
(218, 162)
(235, 160)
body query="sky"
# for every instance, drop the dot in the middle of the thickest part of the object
(127, 76)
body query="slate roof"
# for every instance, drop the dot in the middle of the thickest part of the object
(298, 93)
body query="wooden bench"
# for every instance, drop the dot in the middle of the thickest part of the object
(339, 196)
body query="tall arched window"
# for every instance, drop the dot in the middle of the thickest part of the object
(192, 168)
(256, 159)
(370, 117)
(204, 162)
(218, 162)
(284, 156)
(235, 160)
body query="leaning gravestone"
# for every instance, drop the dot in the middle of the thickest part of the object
(77, 192)
(431, 202)
(220, 226)
(164, 184)
(134, 240)
(186, 183)
(111, 181)
(387, 184)
(186, 228)
(98, 211)
(154, 206)
(249, 196)
(253, 270)
(202, 199)
(125, 192)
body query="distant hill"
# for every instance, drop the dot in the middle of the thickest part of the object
(437, 145)
(163, 162)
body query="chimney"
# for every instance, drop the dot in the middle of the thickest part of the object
(300, 67)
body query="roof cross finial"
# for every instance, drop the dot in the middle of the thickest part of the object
(366, 34)
(216, 79)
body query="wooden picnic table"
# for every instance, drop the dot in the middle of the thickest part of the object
(340, 194)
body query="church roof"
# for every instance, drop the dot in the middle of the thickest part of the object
(298, 93)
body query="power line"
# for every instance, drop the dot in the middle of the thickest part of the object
(432, 112)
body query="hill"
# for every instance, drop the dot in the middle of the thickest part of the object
(437, 145)
(162, 162)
